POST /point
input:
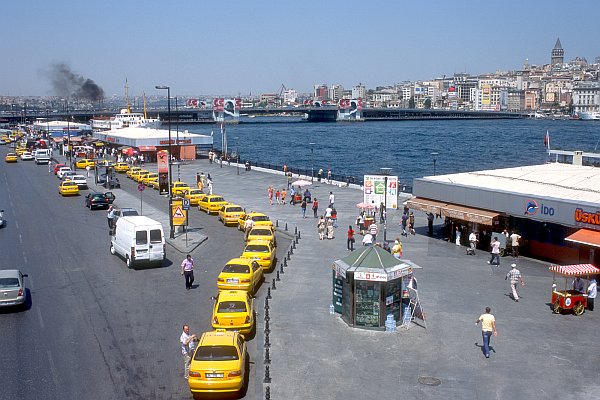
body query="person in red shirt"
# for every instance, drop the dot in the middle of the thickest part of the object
(351, 240)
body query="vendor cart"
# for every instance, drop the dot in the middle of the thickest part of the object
(569, 299)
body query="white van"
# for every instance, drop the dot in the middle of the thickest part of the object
(138, 239)
(41, 156)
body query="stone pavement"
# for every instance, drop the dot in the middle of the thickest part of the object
(315, 355)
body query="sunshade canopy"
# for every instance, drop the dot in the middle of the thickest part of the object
(575, 269)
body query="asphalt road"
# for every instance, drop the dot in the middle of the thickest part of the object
(94, 328)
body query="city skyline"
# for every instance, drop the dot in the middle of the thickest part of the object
(204, 49)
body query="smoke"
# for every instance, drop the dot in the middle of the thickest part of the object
(67, 83)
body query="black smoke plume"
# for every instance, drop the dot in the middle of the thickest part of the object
(67, 83)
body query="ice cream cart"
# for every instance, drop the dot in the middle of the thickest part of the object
(569, 299)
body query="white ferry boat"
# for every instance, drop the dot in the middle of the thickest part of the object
(125, 119)
(589, 115)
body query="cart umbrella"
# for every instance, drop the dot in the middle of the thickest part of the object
(575, 269)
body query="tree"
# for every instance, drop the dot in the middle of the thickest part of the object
(427, 103)
(411, 102)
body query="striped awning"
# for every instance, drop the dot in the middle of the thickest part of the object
(575, 269)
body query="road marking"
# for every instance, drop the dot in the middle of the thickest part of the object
(20, 238)
(30, 280)
(24, 259)
(53, 370)
(40, 317)
(17, 224)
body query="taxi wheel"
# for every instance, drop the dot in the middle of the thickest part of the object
(556, 307)
(112, 250)
(578, 309)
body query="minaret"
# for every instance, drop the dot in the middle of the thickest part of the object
(558, 54)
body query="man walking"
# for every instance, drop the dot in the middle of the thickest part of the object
(488, 326)
(187, 269)
(248, 225)
(472, 243)
(373, 230)
(404, 223)
(430, 218)
(592, 291)
(315, 207)
(495, 252)
(515, 277)
(514, 242)
(331, 199)
(111, 217)
(187, 348)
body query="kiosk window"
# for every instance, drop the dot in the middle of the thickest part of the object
(367, 303)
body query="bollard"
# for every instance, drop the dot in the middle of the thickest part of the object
(276, 223)
(267, 304)
(295, 240)
(269, 293)
(299, 235)
(293, 247)
(273, 285)
(267, 318)
(267, 343)
(295, 230)
(284, 261)
(267, 329)
(286, 226)
(277, 279)
(267, 378)
(268, 393)
(281, 268)
(288, 255)
(267, 357)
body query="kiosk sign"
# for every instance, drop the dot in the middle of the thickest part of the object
(376, 192)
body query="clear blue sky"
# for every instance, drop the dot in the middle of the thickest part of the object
(216, 47)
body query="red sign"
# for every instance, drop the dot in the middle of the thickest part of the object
(192, 103)
(163, 161)
(238, 104)
(219, 104)
(587, 217)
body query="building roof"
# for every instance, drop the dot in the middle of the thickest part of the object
(553, 180)
(558, 45)
(138, 136)
(149, 133)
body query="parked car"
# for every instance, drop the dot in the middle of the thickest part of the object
(61, 171)
(26, 156)
(125, 212)
(96, 200)
(67, 175)
(57, 167)
(234, 310)
(80, 180)
(68, 188)
(12, 288)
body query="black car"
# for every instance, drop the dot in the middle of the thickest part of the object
(96, 200)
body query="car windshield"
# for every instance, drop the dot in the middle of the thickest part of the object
(196, 192)
(129, 213)
(257, 248)
(258, 218)
(236, 268)
(97, 196)
(261, 232)
(215, 199)
(9, 282)
(216, 353)
(234, 209)
(231, 306)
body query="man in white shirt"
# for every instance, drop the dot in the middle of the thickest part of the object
(514, 242)
(367, 240)
(187, 347)
(592, 292)
(495, 252)
(472, 243)
(331, 199)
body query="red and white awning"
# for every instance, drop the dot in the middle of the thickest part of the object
(575, 269)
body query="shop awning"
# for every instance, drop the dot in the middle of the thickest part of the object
(455, 211)
(147, 148)
(587, 237)
(575, 269)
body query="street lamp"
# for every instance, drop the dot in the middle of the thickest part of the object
(385, 172)
(171, 228)
(434, 154)
(237, 153)
(312, 162)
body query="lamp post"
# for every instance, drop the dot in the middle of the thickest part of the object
(171, 228)
(434, 155)
(385, 172)
(312, 162)
(69, 137)
(237, 153)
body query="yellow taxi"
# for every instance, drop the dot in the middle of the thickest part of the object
(20, 150)
(150, 177)
(139, 177)
(11, 158)
(153, 183)
(179, 188)
(211, 203)
(219, 363)
(261, 251)
(240, 274)
(132, 170)
(194, 196)
(234, 311)
(68, 188)
(135, 174)
(230, 213)
(84, 163)
(258, 218)
(263, 233)
(121, 167)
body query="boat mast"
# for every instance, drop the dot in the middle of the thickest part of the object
(145, 114)
(127, 96)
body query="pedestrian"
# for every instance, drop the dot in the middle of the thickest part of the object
(198, 180)
(303, 207)
(334, 217)
(592, 291)
(289, 179)
(87, 171)
(284, 168)
(404, 222)
(50, 166)
(187, 269)
(321, 228)
(315, 207)
(360, 221)
(283, 195)
(411, 224)
(187, 349)
(488, 326)
(397, 248)
(382, 213)
(495, 252)
(329, 228)
(514, 242)
(328, 211)
(278, 197)
(578, 284)
(320, 174)
(457, 235)
(373, 230)
(430, 218)
(329, 177)
(210, 186)
(351, 240)
(331, 199)
(367, 240)
(248, 225)
(111, 218)
(515, 278)
(472, 242)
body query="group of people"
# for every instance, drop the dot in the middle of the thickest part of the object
(204, 181)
